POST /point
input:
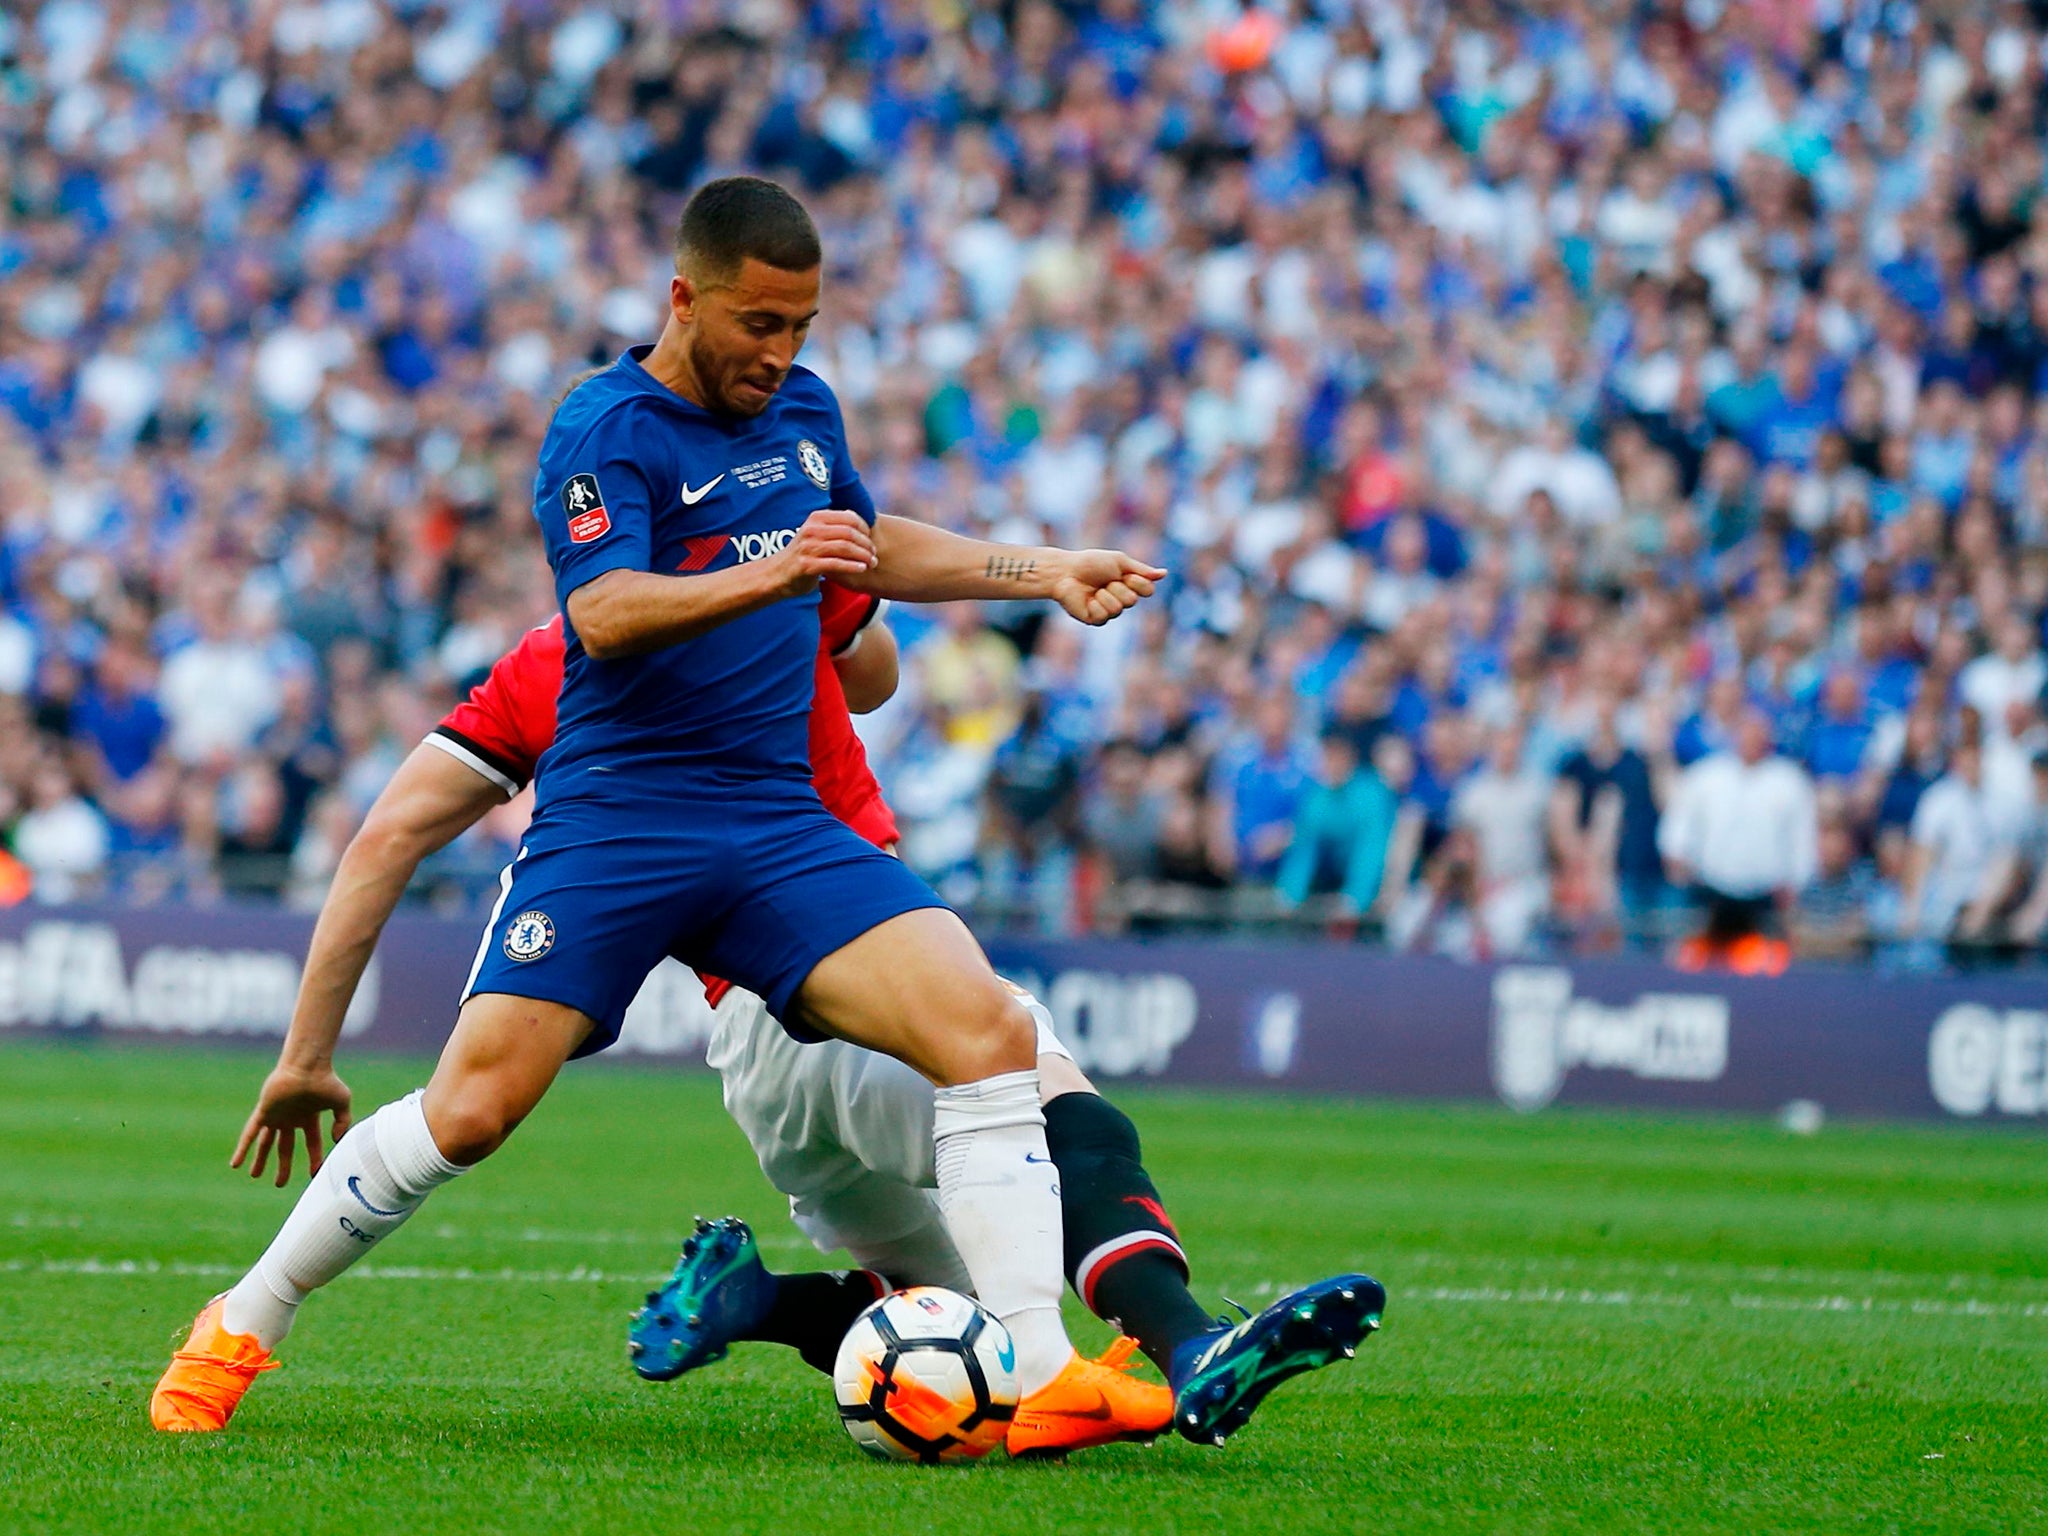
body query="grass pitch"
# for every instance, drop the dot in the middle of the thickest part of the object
(1597, 1322)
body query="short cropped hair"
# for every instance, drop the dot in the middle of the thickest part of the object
(735, 217)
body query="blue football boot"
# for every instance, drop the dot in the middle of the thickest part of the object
(1220, 1377)
(719, 1293)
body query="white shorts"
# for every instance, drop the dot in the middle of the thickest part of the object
(846, 1134)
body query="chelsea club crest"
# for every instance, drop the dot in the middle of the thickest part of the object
(531, 935)
(812, 458)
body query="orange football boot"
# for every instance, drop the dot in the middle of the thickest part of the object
(208, 1376)
(1091, 1402)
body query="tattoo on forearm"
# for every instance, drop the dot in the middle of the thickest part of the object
(1010, 567)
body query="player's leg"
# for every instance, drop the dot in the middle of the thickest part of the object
(502, 1056)
(912, 983)
(843, 940)
(1125, 1260)
(1123, 1253)
(846, 1133)
(529, 1003)
(783, 1096)
(917, 986)
(721, 1292)
(860, 1177)
(893, 1229)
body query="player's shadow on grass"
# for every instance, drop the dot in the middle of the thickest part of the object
(742, 1434)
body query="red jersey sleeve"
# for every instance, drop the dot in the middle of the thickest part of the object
(843, 615)
(839, 763)
(508, 720)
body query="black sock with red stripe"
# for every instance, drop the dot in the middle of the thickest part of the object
(811, 1312)
(1123, 1255)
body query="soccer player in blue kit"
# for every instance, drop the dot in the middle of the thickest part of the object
(692, 497)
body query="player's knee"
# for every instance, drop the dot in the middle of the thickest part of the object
(999, 1037)
(1058, 1077)
(470, 1125)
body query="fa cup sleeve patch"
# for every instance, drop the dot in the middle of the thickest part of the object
(584, 507)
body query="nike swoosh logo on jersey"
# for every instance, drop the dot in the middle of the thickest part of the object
(692, 497)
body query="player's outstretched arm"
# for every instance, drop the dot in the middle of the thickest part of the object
(629, 613)
(429, 802)
(918, 563)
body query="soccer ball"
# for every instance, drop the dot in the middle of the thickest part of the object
(926, 1375)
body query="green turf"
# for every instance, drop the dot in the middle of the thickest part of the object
(1598, 1323)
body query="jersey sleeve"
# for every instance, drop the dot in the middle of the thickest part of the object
(848, 492)
(508, 720)
(843, 618)
(595, 504)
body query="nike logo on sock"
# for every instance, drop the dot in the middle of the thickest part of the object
(1030, 1159)
(692, 497)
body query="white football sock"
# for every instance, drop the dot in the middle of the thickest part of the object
(375, 1177)
(1000, 1195)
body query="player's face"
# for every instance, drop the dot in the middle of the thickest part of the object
(744, 335)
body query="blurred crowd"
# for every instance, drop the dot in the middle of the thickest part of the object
(1597, 443)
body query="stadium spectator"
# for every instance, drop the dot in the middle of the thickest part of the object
(2014, 672)
(1343, 832)
(1741, 832)
(1839, 737)
(1032, 790)
(1834, 913)
(1958, 850)
(1261, 779)
(116, 718)
(1122, 816)
(1713, 727)
(218, 690)
(969, 677)
(1439, 914)
(1504, 807)
(1603, 827)
(2022, 881)
(61, 837)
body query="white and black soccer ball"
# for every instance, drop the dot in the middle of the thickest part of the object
(926, 1375)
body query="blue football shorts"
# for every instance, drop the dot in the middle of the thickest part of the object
(757, 886)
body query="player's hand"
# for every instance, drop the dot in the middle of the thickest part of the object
(830, 543)
(291, 1104)
(1095, 585)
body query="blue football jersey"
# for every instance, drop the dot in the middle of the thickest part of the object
(632, 476)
